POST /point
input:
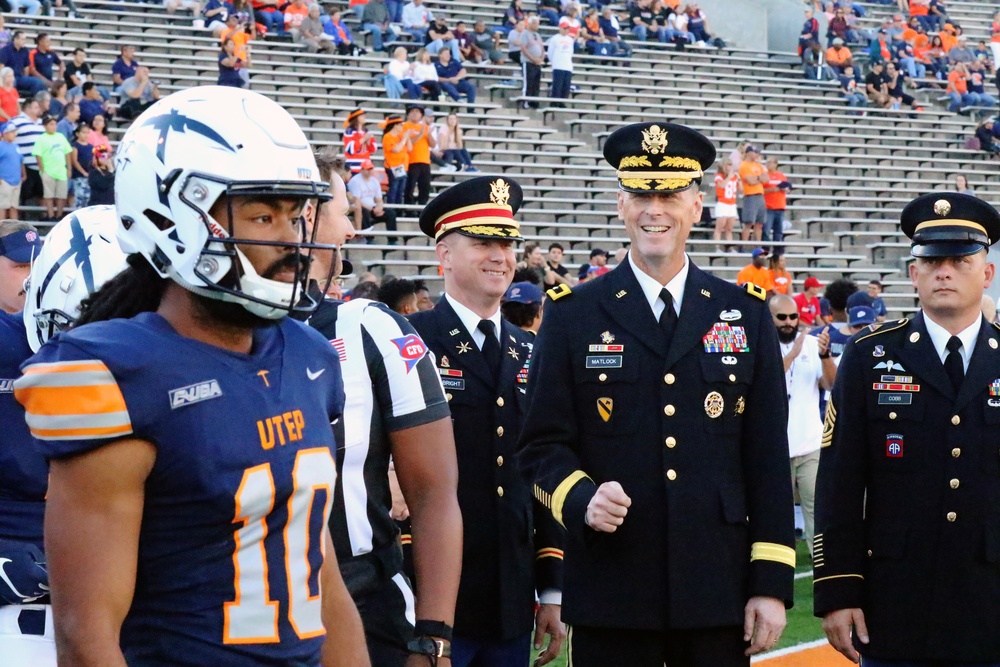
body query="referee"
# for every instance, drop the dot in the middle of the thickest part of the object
(395, 408)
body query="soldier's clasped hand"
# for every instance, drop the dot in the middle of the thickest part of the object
(607, 509)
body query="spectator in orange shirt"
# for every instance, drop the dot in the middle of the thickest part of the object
(727, 183)
(422, 140)
(936, 58)
(839, 56)
(775, 201)
(753, 176)
(396, 146)
(295, 13)
(808, 303)
(949, 37)
(920, 9)
(756, 272)
(958, 88)
(780, 277)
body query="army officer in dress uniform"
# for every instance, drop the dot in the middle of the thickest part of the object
(654, 436)
(907, 546)
(483, 361)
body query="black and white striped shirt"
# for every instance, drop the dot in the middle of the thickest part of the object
(391, 383)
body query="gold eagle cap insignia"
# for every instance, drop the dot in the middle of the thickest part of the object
(654, 139)
(942, 207)
(499, 192)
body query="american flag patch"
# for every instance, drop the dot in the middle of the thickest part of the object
(338, 343)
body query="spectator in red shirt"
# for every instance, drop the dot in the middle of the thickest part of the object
(359, 144)
(808, 303)
(775, 202)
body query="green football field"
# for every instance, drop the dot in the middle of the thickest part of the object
(802, 625)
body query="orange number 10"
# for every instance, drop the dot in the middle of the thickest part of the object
(252, 617)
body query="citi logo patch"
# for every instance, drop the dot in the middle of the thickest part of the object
(193, 393)
(6, 386)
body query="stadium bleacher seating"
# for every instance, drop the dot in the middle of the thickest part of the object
(852, 174)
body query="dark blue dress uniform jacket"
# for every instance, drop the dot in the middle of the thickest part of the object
(711, 518)
(920, 557)
(504, 558)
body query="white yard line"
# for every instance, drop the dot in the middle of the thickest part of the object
(788, 651)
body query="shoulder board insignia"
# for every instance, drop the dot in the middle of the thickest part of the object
(755, 290)
(558, 292)
(884, 328)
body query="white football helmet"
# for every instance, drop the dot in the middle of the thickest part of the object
(80, 254)
(174, 163)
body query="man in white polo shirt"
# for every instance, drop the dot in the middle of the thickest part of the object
(368, 190)
(809, 367)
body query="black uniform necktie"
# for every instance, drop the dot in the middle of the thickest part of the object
(668, 318)
(954, 366)
(491, 347)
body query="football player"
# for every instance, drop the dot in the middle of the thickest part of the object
(187, 420)
(79, 255)
(396, 411)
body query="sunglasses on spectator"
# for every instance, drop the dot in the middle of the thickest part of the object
(781, 317)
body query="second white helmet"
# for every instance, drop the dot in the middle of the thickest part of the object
(80, 254)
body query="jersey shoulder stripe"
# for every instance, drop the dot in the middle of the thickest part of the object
(72, 400)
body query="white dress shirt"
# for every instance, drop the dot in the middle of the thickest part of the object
(805, 428)
(651, 287)
(471, 321)
(940, 337)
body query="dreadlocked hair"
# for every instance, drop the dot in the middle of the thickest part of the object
(137, 289)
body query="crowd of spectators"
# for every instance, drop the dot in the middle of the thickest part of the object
(921, 46)
(54, 118)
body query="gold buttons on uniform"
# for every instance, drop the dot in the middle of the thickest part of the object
(500, 430)
(671, 442)
(671, 474)
(869, 553)
(500, 401)
(892, 415)
(669, 378)
(956, 420)
(448, 396)
(732, 378)
(955, 453)
(602, 377)
(500, 491)
(669, 411)
(499, 461)
(954, 483)
(951, 516)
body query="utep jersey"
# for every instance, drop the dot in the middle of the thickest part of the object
(23, 472)
(231, 540)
